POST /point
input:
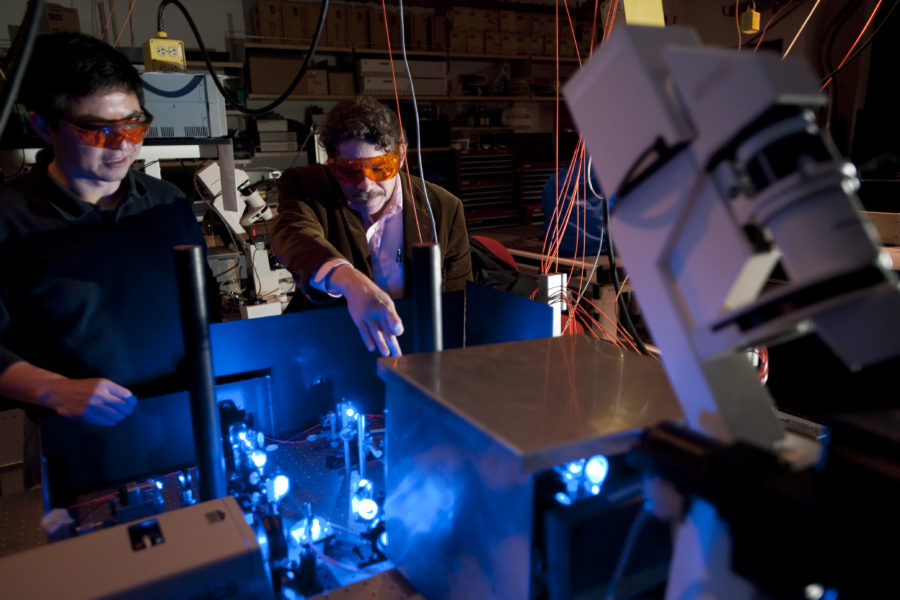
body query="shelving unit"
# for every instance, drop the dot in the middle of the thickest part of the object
(494, 102)
(347, 57)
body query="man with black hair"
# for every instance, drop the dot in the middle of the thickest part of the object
(89, 307)
(347, 228)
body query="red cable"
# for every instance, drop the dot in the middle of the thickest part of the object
(387, 35)
(850, 51)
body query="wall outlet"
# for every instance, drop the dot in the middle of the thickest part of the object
(164, 54)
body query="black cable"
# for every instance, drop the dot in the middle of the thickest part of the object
(831, 32)
(19, 58)
(640, 519)
(864, 45)
(617, 286)
(415, 104)
(229, 98)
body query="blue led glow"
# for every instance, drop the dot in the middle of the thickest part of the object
(350, 412)
(596, 469)
(563, 498)
(310, 531)
(259, 458)
(263, 541)
(296, 532)
(367, 509)
(575, 467)
(280, 486)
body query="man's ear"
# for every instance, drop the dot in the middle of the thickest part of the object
(40, 126)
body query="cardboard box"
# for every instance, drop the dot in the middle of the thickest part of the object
(291, 22)
(381, 67)
(273, 72)
(384, 86)
(887, 225)
(524, 23)
(550, 45)
(340, 83)
(491, 20)
(458, 41)
(541, 25)
(509, 43)
(394, 28)
(418, 30)
(508, 21)
(475, 42)
(268, 72)
(267, 20)
(277, 136)
(567, 46)
(439, 34)
(314, 83)
(359, 26)
(460, 19)
(377, 36)
(337, 26)
(58, 18)
(492, 42)
(300, 20)
(476, 19)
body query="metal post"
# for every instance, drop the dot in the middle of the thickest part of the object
(426, 291)
(189, 264)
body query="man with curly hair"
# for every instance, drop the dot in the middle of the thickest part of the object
(346, 229)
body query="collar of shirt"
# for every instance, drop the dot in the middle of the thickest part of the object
(385, 238)
(71, 206)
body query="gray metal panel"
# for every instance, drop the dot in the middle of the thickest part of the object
(208, 550)
(184, 106)
(548, 400)
(468, 429)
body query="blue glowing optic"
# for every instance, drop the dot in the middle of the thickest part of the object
(350, 412)
(596, 469)
(576, 467)
(367, 509)
(563, 498)
(280, 486)
(259, 458)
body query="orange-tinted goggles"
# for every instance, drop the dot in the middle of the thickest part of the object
(111, 134)
(376, 168)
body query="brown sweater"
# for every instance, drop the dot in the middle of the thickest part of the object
(315, 224)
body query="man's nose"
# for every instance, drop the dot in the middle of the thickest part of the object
(365, 184)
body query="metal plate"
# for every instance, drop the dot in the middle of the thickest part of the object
(548, 400)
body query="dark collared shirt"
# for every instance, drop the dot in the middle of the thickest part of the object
(91, 292)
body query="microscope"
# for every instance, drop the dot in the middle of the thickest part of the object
(721, 176)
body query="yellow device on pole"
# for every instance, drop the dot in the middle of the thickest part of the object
(163, 54)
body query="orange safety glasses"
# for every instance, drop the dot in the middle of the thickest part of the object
(111, 134)
(376, 168)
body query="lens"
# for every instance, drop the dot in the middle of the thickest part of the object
(376, 168)
(345, 173)
(112, 134)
